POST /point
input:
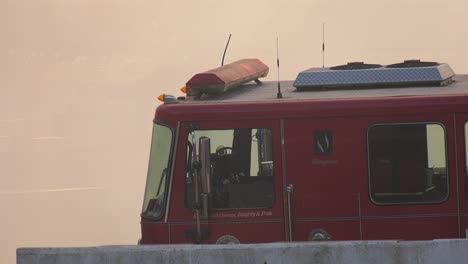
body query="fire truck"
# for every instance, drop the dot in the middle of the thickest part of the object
(352, 152)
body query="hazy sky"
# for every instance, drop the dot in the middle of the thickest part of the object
(79, 81)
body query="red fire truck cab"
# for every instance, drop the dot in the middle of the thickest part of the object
(352, 152)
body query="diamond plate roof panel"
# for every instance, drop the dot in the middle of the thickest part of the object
(325, 77)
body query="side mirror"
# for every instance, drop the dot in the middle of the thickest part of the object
(205, 164)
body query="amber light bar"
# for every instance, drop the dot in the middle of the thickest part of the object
(221, 79)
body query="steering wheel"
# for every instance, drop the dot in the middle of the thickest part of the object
(221, 149)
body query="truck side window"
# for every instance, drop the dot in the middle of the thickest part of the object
(242, 168)
(407, 163)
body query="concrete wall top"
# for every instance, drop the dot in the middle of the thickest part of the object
(382, 252)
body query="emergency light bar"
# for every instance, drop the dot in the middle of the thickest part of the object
(221, 79)
(358, 74)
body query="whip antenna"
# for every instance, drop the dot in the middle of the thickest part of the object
(323, 45)
(225, 49)
(278, 95)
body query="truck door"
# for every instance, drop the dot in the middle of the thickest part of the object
(245, 204)
(382, 177)
(325, 166)
(412, 178)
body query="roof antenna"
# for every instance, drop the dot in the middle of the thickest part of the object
(278, 95)
(225, 49)
(323, 45)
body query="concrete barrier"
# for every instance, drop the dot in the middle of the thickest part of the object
(451, 251)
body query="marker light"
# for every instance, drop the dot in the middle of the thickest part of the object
(221, 79)
(168, 99)
(184, 89)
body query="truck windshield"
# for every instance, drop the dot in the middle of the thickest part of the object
(155, 192)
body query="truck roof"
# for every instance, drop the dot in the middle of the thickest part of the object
(259, 101)
(267, 92)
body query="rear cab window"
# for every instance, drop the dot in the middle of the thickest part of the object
(407, 163)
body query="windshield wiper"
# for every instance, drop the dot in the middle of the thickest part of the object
(163, 178)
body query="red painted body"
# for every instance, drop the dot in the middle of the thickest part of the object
(332, 192)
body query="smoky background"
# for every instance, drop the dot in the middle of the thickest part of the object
(79, 82)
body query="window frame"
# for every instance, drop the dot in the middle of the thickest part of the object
(447, 162)
(273, 176)
(168, 175)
